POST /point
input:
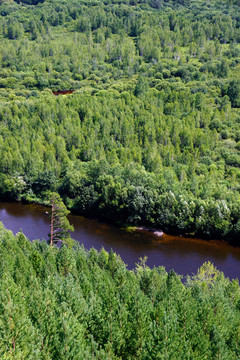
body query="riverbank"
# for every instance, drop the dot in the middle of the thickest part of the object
(182, 254)
(160, 233)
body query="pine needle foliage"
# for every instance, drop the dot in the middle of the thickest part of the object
(70, 303)
(59, 224)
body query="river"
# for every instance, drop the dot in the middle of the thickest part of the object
(184, 255)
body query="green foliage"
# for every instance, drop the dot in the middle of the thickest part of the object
(151, 134)
(234, 92)
(206, 275)
(141, 87)
(77, 304)
(59, 224)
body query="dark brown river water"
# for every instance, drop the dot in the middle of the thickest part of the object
(184, 255)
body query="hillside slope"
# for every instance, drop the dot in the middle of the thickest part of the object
(77, 304)
(150, 135)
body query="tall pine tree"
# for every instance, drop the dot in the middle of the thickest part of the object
(59, 226)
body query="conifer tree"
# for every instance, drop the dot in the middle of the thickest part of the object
(59, 226)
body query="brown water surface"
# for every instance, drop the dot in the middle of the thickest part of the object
(184, 255)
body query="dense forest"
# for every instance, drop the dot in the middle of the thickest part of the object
(151, 133)
(76, 304)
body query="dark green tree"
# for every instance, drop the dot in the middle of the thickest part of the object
(234, 92)
(141, 86)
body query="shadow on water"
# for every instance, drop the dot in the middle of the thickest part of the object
(184, 255)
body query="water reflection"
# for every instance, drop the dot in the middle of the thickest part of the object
(184, 255)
